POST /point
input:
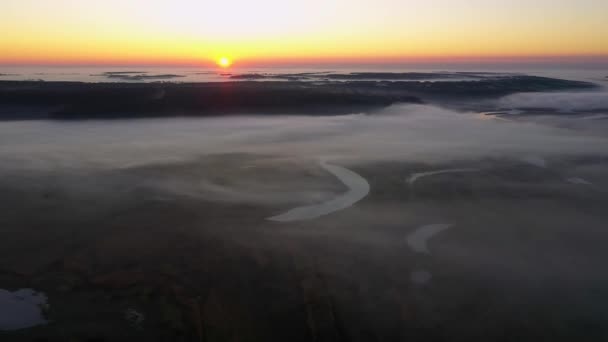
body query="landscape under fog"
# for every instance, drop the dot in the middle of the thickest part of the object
(322, 206)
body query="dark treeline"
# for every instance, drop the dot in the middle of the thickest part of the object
(78, 100)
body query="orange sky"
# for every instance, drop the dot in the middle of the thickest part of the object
(313, 31)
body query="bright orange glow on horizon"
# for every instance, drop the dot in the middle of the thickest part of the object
(273, 32)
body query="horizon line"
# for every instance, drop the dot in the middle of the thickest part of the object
(304, 61)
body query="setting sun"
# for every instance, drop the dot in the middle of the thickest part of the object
(224, 62)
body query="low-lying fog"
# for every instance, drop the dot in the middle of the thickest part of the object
(416, 213)
(416, 133)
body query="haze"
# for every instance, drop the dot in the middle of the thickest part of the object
(274, 32)
(303, 171)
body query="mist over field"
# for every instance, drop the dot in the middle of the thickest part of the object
(384, 222)
(417, 133)
(303, 171)
(560, 101)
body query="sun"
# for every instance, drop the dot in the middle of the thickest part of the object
(224, 62)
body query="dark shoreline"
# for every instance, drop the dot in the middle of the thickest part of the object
(78, 100)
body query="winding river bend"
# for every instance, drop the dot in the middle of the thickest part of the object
(357, 186)
(414, 177)
(418, 239)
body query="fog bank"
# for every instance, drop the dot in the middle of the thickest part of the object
(421, 133)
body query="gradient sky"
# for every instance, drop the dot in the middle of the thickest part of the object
(281, 31)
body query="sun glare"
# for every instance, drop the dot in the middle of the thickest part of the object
(224, 62)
